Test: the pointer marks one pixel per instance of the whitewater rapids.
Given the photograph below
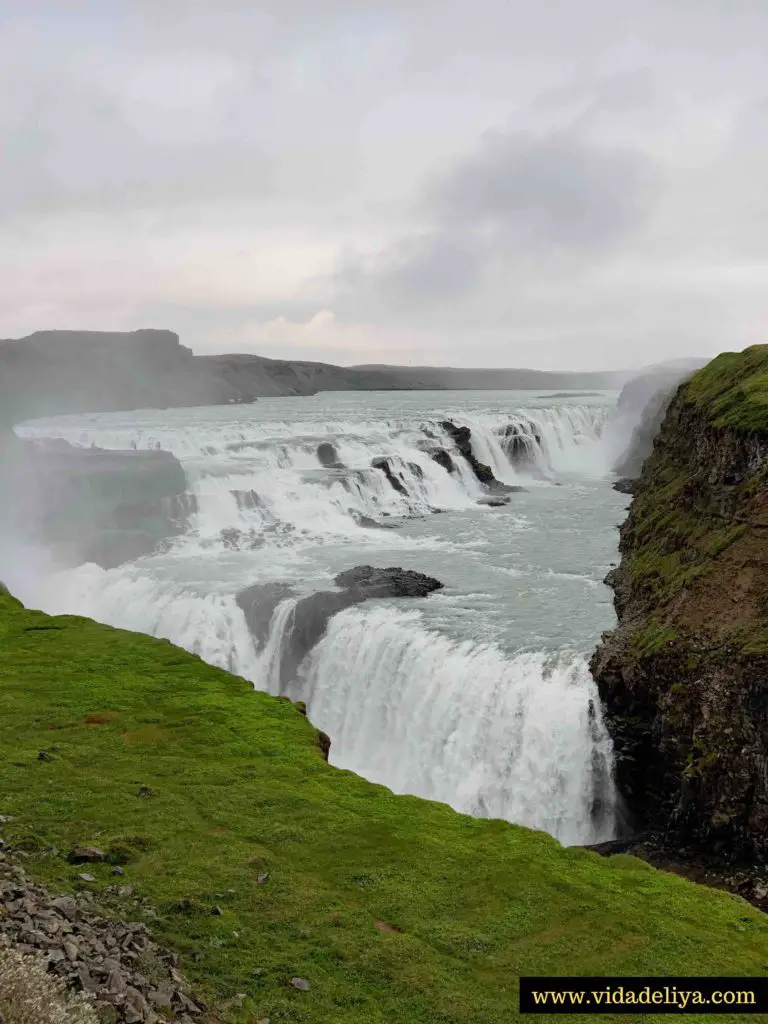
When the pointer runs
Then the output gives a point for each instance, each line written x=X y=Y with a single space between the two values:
x=478 y=697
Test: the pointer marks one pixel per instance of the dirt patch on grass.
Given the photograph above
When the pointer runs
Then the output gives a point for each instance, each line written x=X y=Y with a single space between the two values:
x=102 y=718
x=386 y=927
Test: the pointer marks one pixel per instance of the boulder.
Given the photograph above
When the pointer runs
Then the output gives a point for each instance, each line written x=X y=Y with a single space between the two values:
x=493 y=502
x=624 y=485
x=392 y=582
x=328 y=456
x=86 y=855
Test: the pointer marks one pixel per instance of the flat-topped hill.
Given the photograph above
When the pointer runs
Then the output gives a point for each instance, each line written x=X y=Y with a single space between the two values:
x=55 y=372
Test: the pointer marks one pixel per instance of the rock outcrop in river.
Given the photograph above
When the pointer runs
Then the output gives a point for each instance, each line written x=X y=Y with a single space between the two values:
x=311 y=614
x=685 y=675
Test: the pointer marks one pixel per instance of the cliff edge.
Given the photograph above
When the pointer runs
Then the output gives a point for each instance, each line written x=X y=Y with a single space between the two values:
x=685 y=675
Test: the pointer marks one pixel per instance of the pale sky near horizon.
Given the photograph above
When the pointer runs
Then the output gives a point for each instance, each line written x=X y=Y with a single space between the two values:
x=499 y=183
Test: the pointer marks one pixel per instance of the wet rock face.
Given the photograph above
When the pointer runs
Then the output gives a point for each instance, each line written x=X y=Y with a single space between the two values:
x=521 y=444
x=625 y=486
x=386 y=467
x=90 y=504
x=246 y=499
x=442 y=458
x=462 y=438
x=258 y=604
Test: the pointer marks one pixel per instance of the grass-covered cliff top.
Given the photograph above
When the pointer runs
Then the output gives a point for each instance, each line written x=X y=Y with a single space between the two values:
x=392 y=908
x=694 y=547
x=732 y=390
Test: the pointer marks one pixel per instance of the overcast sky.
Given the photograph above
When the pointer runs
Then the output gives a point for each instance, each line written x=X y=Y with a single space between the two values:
x=565 y=183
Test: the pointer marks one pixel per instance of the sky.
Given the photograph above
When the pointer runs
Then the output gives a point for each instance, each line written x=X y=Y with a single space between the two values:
x=560 y=184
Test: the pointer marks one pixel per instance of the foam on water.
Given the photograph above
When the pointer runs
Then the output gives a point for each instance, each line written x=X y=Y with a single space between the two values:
x=519 y=737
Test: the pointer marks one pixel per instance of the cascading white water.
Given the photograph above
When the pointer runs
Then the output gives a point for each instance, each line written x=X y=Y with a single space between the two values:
x=489 y=731
x=291 y=492
x=502 y=737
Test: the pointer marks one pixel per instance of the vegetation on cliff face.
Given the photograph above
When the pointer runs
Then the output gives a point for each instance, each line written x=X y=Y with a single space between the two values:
x=266 y=864
x=684 y=677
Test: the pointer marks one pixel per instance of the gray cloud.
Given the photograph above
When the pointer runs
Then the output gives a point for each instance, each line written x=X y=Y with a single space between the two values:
x=521 y=205
x=558 y=183
x=548 y=192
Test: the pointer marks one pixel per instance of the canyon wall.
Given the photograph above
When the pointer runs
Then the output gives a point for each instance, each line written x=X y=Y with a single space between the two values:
x=684 y=676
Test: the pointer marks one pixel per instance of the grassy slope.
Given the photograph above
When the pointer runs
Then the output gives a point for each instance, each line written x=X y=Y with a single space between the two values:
x=733 y=389
x=675 y=543
x=239 y=787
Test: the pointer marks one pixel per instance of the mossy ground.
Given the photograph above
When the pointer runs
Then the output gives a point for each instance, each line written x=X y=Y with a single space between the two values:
x=676 y=538
x=394 y=909
x=732 y=390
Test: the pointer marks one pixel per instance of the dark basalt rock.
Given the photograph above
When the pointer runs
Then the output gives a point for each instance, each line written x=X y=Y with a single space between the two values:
x=371 y=524
x=683 y=676
x=462 y=438
x=258 y=604
x=624 y=485
x=246 y=499
x=393 y=582
x=614 y=846
x=328 y=456
x=493 y=502
x=442 y=458
x=385 y=465
x=520 y=444
x=109 y=957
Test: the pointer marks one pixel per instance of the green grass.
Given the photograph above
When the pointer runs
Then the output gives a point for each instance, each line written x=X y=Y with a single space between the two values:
x=733 y=389
x=239 y=789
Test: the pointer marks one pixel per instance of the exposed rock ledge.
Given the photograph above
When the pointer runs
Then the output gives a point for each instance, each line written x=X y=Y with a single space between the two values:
x=685 y=675
x=91 y=504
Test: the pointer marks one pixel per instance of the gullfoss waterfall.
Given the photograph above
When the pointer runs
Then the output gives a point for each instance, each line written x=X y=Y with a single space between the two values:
x=478 y=696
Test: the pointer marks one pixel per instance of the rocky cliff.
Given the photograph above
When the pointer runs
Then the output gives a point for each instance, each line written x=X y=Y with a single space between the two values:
x=90 y=504
x=685 y=675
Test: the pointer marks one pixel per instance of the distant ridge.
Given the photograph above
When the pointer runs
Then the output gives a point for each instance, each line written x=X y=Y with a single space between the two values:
x=56 y=372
